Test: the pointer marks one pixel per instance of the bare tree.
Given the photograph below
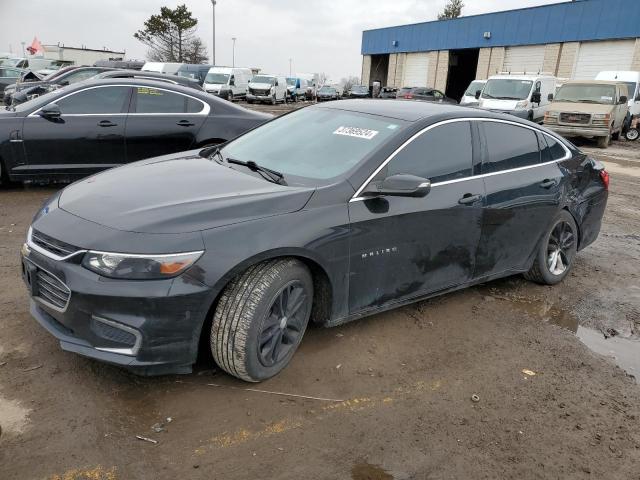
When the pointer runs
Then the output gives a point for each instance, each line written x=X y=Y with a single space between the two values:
x=453 y=9
x=196 y=52
x=349 y=82
x=170 y=36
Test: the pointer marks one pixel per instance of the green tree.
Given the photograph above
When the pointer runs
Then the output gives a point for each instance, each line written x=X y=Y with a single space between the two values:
x=453 y=9
x=170 y=36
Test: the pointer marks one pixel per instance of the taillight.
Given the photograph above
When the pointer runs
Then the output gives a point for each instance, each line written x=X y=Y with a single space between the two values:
x=408 y=96
x=604 y=176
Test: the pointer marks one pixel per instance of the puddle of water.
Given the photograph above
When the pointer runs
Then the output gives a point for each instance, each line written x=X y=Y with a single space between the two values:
x=13 y=417
x=624 y=351
x=366 y=471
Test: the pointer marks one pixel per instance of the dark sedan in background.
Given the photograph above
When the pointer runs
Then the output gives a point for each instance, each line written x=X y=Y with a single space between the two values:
x=327 y=93
x=9 y=76
x=426 y=95
x=99 y=124
x=370 y=206
x=359 y=91
x=60 y=78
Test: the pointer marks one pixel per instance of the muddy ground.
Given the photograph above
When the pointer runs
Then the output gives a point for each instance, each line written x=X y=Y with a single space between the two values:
x=397 y=386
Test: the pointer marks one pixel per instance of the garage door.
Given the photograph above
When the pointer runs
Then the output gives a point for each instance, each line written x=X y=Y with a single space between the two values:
x=416 y=69
x=594 y=57
x=529 y=59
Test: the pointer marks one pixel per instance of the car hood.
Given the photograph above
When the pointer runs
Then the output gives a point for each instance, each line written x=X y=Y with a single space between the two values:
x=580 y=107
x=178 y=194
x=497 y=104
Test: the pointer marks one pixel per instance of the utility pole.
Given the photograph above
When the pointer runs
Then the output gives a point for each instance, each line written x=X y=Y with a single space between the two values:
x=213 y=48
x=23 y=44
x=290 y=67
x=233 y=52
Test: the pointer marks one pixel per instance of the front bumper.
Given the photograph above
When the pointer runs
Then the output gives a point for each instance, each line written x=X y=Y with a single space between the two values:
x=259 y=98
x=578 y=131
x=150 y=327
x=220 y=93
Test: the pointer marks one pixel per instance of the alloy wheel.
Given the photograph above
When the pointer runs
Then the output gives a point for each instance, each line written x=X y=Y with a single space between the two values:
x=284 y=324
x=560 y=244
x=632 y=134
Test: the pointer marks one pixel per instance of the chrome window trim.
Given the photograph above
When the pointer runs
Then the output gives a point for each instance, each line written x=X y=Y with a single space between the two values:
x=122 y=351
x=204 y=112
x=47 y=253
x=356 y=196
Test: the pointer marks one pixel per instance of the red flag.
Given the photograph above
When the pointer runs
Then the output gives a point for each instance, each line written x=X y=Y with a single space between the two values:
x=35 y=46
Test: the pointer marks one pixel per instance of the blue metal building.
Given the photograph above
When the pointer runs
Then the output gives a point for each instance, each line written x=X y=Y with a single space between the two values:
x=570 y=40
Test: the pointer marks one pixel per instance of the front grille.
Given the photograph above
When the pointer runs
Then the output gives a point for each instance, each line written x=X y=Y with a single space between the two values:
x=113 y=334
x=52 y=245
x=259 y=92
x=577 y=118
x=52 y=290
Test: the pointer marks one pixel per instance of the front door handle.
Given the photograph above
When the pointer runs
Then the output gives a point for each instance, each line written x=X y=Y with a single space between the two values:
x=469 y=199
x=185 y=123
x=547 y=183
x=107 y=123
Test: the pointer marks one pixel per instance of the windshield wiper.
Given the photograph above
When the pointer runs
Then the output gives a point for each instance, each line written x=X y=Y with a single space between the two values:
x=486 y=95
x=586 y=100
x=508 y=98
x=268 y=174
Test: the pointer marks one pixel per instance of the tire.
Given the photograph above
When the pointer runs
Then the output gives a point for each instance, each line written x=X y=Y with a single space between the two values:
x=632 y=134
x=556 y=251
x=249 y=319
x=615 y=136
x=250 y=102
x=603 y=142
x=274 y=100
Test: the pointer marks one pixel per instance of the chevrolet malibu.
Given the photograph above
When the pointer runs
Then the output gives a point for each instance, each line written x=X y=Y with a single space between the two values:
x=372 y=206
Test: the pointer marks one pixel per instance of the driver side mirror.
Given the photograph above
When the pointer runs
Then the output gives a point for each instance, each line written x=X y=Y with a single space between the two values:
x=51 y=111
x=478 y=93
x=623 y=99
x=232 y=82
x=276 y=84
x=550 y=97
x=536 y=97
x=401 y=185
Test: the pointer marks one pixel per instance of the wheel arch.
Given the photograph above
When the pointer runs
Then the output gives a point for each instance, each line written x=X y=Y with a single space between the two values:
x=323 y=294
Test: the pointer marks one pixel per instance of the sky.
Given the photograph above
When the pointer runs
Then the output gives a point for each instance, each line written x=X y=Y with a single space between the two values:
x=317 y=35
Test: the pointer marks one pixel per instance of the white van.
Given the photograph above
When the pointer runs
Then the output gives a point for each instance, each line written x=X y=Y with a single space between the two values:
x=632 y=80
x=161 y=67
x=267 y=88
x=525 y=96
x=228 y=82
x=469 y=98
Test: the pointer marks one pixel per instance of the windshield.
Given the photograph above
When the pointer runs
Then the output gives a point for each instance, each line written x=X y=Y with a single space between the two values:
x=473 y=88
x=327 y=90
x=10 y=62
x=217 y=78
x=327 y=143
x=187 y=74
x=359 y=89
x=631 y=89
x=263 y=79
x=507 y=89
x=291 y=81
x=586 y=93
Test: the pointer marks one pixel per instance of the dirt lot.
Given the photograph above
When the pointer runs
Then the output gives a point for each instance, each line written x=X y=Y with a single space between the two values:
x=402 y=383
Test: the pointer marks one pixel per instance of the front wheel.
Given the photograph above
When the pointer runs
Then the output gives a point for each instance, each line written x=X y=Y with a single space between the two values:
x=556 y=252
x=261 y=318
x=603 y=142
x=273 y=99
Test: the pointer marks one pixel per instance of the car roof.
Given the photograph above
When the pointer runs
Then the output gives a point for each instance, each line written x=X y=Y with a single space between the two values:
x=593 y=82
x=144 y=81
x=412 y=111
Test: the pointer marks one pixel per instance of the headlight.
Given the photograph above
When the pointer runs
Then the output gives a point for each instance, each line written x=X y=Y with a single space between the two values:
x=521 y=105
x=551 y=114
x=139 y=267
x=602 y=116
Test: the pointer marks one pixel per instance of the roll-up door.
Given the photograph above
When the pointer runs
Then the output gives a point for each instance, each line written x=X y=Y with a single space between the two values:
x=529 y=59
x=595 y=57
x=416 y=69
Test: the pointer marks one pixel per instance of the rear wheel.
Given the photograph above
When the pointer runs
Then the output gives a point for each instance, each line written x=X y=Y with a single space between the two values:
x=261 y=318
x=555 y=254
x=632 y=134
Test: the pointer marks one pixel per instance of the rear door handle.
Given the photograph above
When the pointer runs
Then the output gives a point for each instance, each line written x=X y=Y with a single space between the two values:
x=107 y=123
x=185 y=123
x=547 y=183
x=469 y=199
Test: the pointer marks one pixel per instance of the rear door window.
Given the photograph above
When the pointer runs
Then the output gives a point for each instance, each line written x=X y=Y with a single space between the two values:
x=440 y=154
x=508 y=146
x=103 y=100
x=551 y=149
x=154 y=100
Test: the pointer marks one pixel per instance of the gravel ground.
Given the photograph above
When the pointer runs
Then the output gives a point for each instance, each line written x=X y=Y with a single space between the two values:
x=397 y=386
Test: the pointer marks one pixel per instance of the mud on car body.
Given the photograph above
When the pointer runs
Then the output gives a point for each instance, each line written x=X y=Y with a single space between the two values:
x=379 y=204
